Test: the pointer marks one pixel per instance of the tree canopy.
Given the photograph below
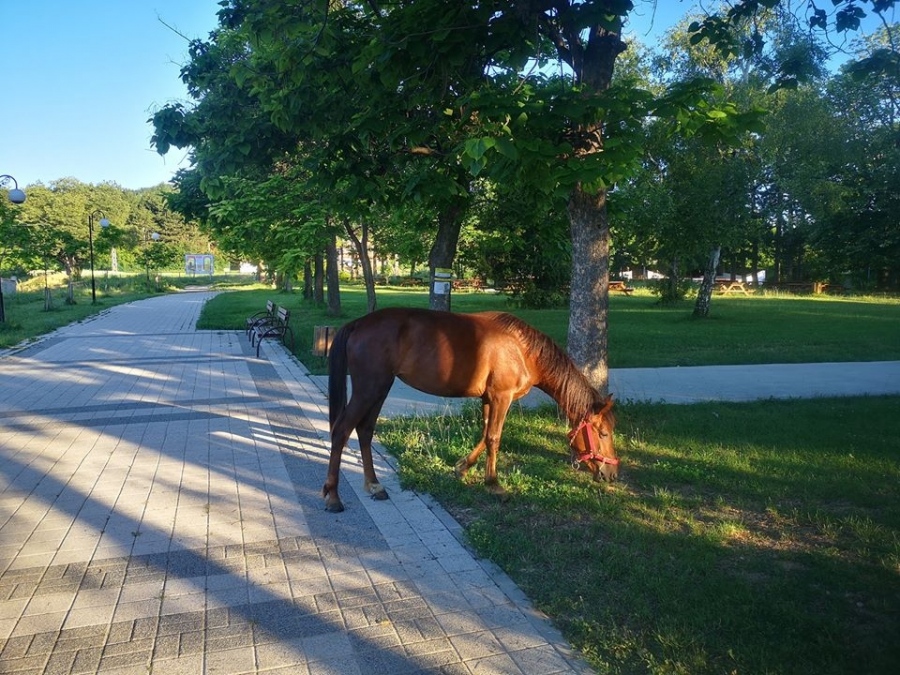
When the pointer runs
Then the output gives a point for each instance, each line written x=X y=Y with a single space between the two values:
x=310 y=119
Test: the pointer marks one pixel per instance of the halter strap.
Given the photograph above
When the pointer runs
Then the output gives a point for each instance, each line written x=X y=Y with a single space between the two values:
x=591 y=453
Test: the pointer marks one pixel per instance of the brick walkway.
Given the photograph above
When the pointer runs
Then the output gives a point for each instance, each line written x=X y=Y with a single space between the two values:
x=160 y=509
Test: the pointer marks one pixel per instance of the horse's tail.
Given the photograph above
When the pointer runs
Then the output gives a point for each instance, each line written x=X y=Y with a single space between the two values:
x=337 y=374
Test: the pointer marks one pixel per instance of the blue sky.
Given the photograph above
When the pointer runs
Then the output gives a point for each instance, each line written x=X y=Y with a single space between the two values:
x=81 y=78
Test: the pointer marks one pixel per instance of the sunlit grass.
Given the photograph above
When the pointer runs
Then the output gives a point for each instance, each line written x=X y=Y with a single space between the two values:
x=759 y=537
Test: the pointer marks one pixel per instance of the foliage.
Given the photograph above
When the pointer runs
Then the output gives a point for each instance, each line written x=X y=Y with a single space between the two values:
x=519 y=241
x=348 y=110
x=51 y=229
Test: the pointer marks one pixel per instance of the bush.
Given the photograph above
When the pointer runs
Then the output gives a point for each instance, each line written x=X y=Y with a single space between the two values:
x=671 y=290
x=529 y=296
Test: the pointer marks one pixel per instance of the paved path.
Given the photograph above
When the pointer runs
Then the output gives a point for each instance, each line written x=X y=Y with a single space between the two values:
x=695 y=385
x=160 y=508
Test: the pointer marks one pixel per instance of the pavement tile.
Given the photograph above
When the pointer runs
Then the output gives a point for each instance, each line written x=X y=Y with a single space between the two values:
x=180 y=526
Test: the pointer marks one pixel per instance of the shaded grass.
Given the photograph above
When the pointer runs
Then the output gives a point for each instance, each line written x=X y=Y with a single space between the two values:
x=743 y=330
x=750 y=538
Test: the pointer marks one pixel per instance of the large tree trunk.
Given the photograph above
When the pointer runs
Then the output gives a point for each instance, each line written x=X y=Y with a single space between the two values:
x=589 y=295
x=333 y=277
x=443 y=251
x=593 y=65
x=704 y=296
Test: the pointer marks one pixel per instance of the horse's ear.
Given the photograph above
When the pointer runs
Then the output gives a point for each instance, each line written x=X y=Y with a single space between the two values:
x=603 y=406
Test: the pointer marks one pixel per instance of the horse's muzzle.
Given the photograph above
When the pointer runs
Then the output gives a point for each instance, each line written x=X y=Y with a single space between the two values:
x=608 y=472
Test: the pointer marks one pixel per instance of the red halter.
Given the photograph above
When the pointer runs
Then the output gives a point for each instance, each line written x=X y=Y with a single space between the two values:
x=591 y=453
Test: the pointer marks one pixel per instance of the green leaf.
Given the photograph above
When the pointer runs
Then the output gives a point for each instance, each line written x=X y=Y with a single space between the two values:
x=507 y=148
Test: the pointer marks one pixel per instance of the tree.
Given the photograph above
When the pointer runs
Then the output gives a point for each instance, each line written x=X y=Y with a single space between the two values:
x=396 y=101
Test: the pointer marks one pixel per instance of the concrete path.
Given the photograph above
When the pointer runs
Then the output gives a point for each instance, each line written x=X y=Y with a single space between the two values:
x=695 y=385
x=160 y=510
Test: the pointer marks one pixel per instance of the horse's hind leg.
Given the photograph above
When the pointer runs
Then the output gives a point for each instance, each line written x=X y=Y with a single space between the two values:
x=365 y=430
x=340 y=434
x=361 y=412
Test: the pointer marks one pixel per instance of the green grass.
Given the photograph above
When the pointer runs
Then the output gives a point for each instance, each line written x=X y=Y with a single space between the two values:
x=741 y=330
x=746 y=538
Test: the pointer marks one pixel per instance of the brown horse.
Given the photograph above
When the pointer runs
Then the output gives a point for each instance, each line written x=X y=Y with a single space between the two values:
x=491 y=355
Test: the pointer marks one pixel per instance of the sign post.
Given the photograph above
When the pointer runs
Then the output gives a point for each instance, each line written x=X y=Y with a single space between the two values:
x=443 y=283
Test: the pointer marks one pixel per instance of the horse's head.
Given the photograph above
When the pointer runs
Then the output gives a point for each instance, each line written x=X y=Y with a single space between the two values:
x=592 y=442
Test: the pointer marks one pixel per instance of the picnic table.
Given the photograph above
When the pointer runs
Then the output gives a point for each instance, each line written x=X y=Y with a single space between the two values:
x=732 y=287
x=808 y=287
x=621 y=287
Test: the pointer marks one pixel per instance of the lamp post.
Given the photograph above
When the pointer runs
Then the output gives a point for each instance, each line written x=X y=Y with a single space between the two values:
x=104 y=222
x=154 y=237
x=16 y=196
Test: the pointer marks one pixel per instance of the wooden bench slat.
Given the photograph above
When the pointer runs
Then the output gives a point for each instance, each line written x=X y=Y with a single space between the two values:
x=261 y=316
x=278 y=326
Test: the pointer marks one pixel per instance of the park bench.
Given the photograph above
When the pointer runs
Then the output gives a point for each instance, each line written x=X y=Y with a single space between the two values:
x=262 y=316
x=278 y=327
x=621 y=287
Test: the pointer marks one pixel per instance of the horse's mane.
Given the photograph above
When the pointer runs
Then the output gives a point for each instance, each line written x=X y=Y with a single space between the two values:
x=561 y=379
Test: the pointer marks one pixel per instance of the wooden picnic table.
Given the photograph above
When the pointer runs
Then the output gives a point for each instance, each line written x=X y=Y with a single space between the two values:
x=621 y=287
x=732 y=287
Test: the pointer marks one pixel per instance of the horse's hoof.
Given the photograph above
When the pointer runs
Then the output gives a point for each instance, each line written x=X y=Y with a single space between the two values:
x=497 y=490
x=378 y=492
x=461 y=468
x=334 y=507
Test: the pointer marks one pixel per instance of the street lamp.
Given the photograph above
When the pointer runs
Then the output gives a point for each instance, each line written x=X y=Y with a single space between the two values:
x=104 y=222
x=154 y=236
x=16 y=196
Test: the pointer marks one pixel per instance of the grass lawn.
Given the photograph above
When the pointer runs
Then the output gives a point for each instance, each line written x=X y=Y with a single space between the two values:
x=786 y=329
x=741 y=538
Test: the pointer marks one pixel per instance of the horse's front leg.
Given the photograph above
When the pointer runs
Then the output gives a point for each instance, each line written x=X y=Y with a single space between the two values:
x=493 y=432
x=467 y=462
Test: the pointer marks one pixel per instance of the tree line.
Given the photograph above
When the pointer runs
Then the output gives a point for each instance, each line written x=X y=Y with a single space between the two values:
x=130 y=230
x=536 y=140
